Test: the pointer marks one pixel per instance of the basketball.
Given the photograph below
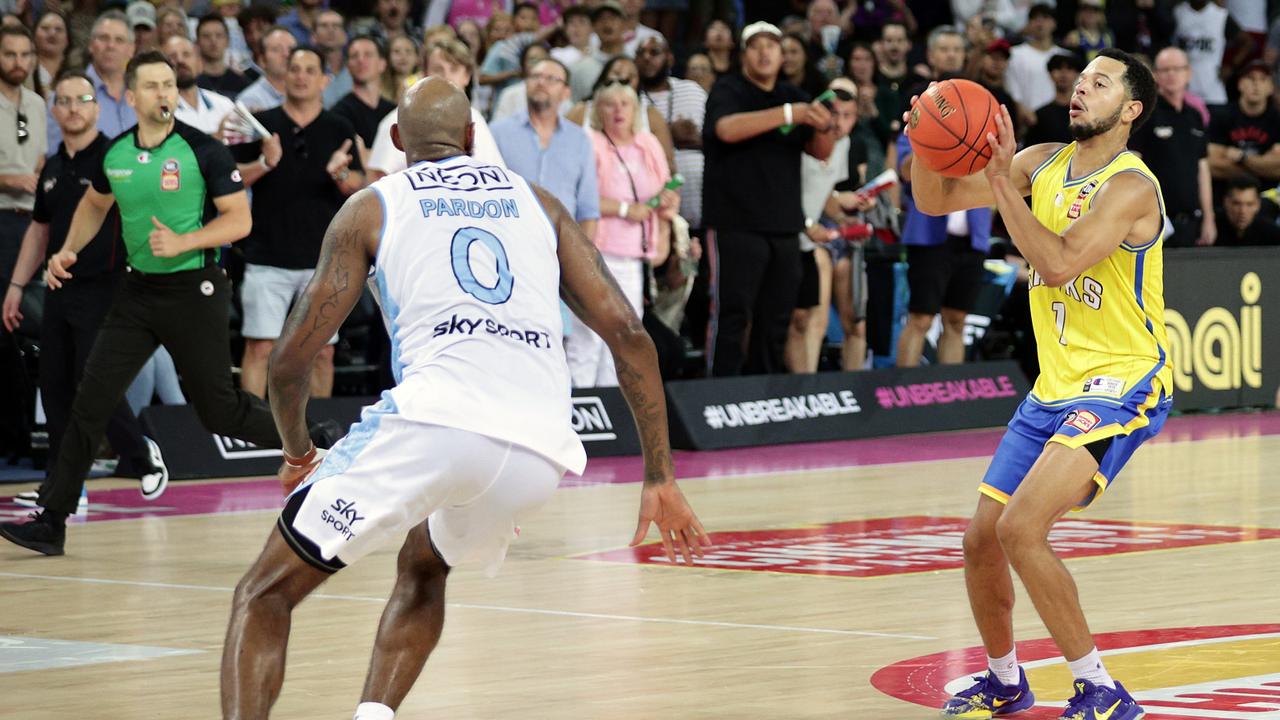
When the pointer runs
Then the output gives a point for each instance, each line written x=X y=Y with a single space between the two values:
x=948 y=127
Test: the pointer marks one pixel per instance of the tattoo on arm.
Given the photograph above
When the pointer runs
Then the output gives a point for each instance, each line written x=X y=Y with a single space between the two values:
x=649 y=407
x=319 y=312
x=594 y=296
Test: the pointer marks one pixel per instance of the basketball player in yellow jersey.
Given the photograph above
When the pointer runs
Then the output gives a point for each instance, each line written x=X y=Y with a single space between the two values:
x=1093 y=238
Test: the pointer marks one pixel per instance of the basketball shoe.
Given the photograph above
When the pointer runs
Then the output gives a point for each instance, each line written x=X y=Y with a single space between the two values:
x=1099 y=702
x=988 y=697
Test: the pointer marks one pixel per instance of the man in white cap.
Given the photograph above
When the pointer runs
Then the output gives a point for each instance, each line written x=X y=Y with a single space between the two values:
x=756 y=127
x=142 y=18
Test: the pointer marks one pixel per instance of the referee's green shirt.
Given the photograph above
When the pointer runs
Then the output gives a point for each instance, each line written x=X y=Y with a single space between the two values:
x=176 y=182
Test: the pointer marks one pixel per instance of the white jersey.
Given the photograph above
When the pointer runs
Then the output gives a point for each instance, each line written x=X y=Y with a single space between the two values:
x=469 y=284
x=1202 y=34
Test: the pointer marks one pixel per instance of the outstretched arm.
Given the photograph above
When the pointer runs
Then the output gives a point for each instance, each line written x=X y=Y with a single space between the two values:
x=1124 y=207
x=350 y=243
x=593 y=295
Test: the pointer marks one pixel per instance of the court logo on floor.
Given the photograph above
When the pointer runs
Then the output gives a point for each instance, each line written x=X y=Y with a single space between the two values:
x=901 y=545
x=1228 y=672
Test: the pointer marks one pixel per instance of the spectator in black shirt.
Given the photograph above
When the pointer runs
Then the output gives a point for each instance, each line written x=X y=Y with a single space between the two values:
x=991 y=74
x=1173 y=144
x=755 y=129
x=945 y=55
x=212 y=40
x=306 y=170
x=1052 y=123
x=1243 y=137
x=895 y=77
x=1240 y=223
x=71 y=317
x=364 y=107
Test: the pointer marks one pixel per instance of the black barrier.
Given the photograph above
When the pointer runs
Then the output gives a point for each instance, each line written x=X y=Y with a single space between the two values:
x=1224 y=354
x=603 y=422
x=190 y=451
x=776 y=409
x=600 y=416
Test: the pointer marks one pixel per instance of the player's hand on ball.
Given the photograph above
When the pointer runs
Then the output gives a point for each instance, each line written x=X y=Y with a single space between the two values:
x=1003 y=145
x=291 y=476
x=665 y=506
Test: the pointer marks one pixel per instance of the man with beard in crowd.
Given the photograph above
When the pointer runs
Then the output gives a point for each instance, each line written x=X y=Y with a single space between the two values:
x=202 y=109
x=683 y=103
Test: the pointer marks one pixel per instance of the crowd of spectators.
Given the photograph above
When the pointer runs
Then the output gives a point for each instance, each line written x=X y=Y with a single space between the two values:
x=686 y=136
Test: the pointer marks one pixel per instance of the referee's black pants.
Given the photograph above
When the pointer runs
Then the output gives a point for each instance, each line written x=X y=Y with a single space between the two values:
x=68 y=328
x=187 y=313
x=755 y=279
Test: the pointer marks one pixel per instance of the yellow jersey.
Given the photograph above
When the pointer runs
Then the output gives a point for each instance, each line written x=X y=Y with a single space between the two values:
x=1100 y=337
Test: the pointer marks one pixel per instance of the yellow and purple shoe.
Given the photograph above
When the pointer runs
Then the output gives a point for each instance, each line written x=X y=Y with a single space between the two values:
x=1099 y=702
x=988 y=697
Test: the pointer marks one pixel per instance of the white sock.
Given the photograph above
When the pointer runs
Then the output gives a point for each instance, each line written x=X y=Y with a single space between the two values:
x=1005 y=668
x=373 y=711
x=1090 y=668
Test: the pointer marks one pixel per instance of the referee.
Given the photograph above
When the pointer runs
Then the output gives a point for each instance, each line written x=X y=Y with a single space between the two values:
x=71 y=318
x=180 y=198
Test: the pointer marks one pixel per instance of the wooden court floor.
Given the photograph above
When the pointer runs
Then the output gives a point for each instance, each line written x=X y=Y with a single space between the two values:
x=852 y=581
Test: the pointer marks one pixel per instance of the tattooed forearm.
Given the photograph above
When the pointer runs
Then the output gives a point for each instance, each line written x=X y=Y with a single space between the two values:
x=638 y=378
x=320 y=311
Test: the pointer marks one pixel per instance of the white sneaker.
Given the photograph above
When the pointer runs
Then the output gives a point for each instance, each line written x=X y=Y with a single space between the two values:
x=26 y=498
x=154 y=481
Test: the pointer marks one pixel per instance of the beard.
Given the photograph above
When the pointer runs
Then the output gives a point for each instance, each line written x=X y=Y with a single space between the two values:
x=539 y=103
x=186 y=80
x=16 y=76
x=1094 y=129
x=658 y=78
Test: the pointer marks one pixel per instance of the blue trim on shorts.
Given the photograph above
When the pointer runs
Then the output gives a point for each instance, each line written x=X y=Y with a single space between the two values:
x=1034 y=425
x=340 y=457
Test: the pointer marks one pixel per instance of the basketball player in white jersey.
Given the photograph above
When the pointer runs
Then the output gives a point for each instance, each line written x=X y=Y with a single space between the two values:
x=470 y=263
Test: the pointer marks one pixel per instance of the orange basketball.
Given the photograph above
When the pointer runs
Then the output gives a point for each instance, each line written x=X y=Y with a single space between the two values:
x=948 y=127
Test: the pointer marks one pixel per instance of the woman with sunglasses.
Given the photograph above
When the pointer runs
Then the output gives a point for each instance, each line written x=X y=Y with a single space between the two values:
x=622 y=70
x=631 y=170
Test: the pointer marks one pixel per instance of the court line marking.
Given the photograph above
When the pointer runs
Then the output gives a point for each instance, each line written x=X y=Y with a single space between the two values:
x=493 y=608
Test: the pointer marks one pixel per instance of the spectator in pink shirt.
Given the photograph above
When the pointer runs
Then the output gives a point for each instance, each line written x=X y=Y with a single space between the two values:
x=631 y=168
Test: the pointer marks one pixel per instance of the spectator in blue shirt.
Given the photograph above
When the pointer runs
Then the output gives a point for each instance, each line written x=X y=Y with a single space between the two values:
x=301 y=21
x=110 y=47
x=944 y=271
x=547 y=150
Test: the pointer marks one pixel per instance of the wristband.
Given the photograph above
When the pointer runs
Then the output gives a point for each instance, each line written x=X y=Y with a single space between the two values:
x=300 y=462
x=342 y=175
x=623 y=209
x=262 y=160
x=787 y=116
x=14 y=284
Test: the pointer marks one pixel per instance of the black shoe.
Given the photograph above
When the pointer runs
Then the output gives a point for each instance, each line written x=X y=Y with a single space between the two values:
x=325 y=433
x=155 y=478
x=45 y=533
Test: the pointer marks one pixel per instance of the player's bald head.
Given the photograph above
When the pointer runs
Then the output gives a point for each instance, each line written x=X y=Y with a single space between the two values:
x=434 y=121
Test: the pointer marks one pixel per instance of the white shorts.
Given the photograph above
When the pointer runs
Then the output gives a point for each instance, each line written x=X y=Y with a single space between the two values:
x=267 y=293
x=389 y=474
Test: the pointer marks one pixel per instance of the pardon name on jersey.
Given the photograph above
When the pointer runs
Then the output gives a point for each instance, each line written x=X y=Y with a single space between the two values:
x=455 y=325
x=1082 y=289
